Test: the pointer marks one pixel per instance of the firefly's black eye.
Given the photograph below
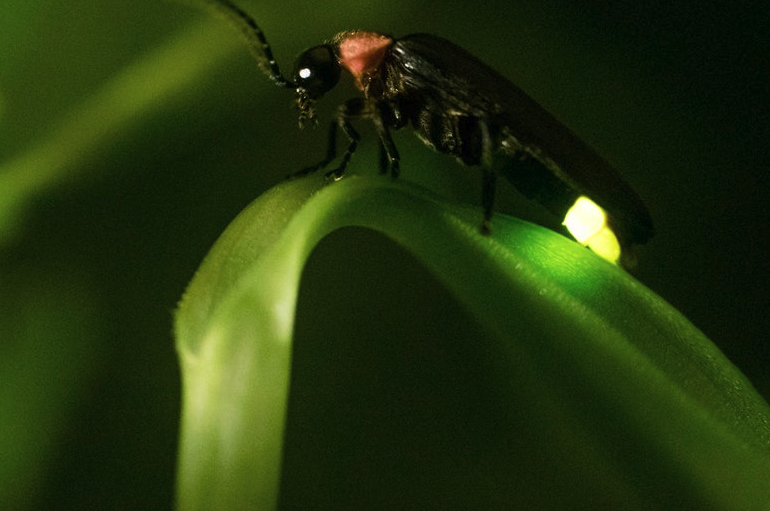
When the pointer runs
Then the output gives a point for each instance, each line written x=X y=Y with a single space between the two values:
x=316 y=70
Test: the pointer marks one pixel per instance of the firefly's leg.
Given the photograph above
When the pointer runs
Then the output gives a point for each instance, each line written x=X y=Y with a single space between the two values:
x=331 y=153
x=351 y=109
x=384 y=159
x=389 y=154
x=489 y=177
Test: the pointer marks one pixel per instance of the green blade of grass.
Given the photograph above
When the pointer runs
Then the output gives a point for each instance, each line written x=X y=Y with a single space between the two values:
x=612 y=367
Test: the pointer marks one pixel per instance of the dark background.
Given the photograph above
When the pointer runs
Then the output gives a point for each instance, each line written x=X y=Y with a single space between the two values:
x=675 y=95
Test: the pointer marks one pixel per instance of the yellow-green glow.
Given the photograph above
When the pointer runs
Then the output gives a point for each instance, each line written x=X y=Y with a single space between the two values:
x=587 y=222
x=584 y=219
x=605 y=244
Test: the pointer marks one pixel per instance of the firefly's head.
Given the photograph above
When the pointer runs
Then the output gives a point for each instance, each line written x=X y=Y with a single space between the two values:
x=316 y=71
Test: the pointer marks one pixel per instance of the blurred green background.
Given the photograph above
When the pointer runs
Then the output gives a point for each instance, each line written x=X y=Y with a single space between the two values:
x=95 y=253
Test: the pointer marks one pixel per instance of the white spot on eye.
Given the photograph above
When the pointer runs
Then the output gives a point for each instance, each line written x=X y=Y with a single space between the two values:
x=305 y=73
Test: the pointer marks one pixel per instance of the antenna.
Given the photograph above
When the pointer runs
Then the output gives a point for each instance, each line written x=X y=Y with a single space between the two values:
x=252 y=35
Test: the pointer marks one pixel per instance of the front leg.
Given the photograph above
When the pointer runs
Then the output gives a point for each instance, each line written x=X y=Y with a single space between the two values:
x=331 y=153
x=382 y=114
x=349 y=110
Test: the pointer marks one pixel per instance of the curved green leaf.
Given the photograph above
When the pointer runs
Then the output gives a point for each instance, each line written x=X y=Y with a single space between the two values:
x=612 y=371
